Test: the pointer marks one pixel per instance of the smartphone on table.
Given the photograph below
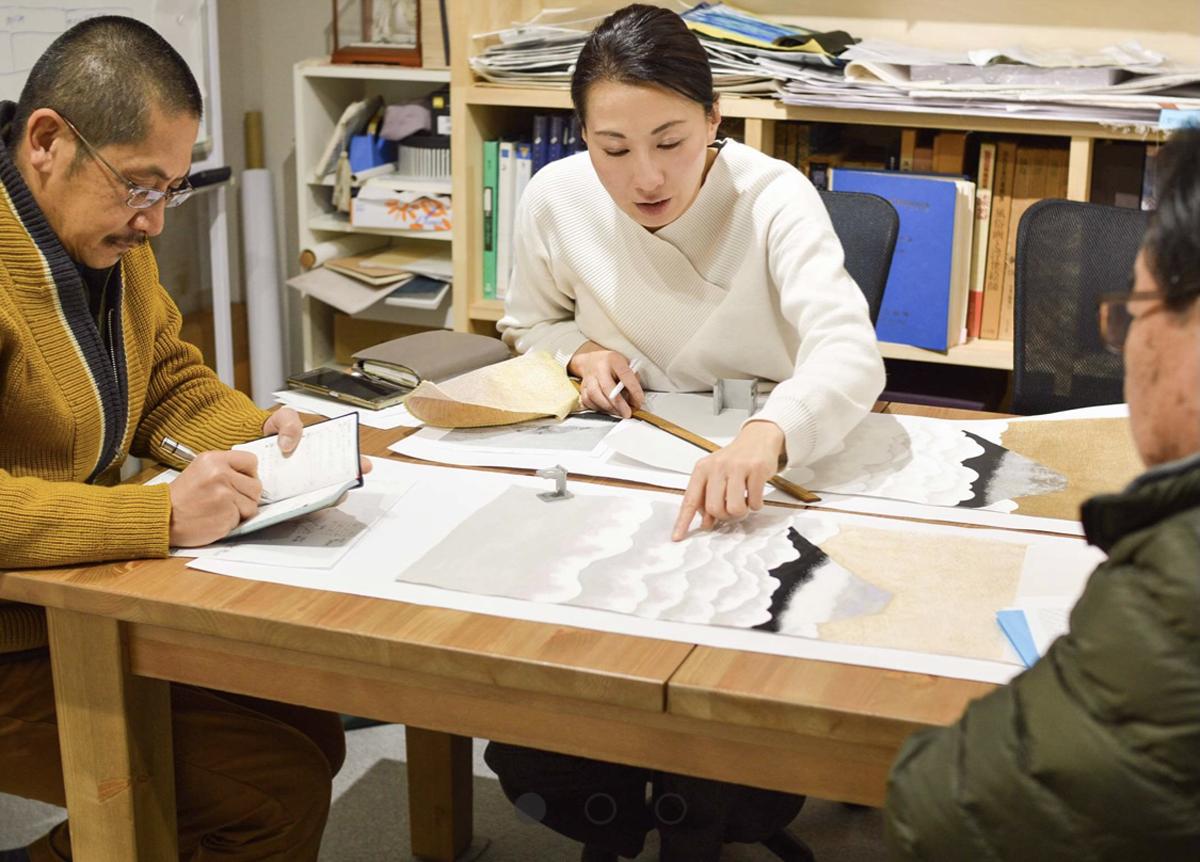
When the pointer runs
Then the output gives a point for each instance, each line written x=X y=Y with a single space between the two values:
x=349 y=387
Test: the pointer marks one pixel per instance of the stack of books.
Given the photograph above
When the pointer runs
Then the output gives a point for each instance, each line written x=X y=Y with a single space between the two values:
x=508 y=166
x=415 y=281
x=953 y=275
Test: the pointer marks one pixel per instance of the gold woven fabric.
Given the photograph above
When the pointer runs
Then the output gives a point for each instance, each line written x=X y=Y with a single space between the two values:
x=532 y=386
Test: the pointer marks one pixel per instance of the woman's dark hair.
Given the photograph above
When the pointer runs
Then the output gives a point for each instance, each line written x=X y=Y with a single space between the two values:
x=643 y=45
x=1172 y=241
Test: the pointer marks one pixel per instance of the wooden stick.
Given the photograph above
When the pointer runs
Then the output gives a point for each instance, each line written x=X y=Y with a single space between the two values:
x=790 y=488
x=798 y=492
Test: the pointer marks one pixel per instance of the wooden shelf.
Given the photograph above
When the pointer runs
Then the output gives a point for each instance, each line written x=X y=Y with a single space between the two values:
x=426 y=185
x=977 y=353
x=484 y=110
x=322 y=68
x=341 y=224
x=553 y=98
x=760 y=108
x=321 y=91
x=487 y=309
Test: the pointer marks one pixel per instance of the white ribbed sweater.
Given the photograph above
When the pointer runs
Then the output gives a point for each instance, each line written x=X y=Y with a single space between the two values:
x=748 y=282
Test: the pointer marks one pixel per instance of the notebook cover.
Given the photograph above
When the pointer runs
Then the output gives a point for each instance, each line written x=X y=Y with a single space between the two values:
x=916 y=299
x=436 y=355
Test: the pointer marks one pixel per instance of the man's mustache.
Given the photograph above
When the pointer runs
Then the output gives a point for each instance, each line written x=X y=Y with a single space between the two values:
x=130 y=239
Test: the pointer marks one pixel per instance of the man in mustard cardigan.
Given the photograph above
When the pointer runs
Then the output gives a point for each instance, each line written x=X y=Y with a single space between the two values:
x=92 y=370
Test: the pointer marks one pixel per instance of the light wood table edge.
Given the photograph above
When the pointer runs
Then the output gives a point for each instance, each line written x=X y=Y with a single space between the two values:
x=838 y=701
x=657 y=740
x=642 y=689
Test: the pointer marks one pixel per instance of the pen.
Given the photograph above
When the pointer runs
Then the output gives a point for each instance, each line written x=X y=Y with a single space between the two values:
x=171 y=446
x=616 y=390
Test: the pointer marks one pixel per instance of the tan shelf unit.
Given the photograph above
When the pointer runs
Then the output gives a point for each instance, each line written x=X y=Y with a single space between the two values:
x=484 y=110
x=321 y=91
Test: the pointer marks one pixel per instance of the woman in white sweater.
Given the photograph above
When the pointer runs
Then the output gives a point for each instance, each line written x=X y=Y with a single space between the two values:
x=704 y=260
x=701 y=258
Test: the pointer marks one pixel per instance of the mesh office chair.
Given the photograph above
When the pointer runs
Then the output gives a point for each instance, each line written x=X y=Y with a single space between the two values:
x=867 y=226
x=1068 y=254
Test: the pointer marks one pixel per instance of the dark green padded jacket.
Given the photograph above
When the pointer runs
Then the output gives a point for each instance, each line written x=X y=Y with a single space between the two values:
x=1094 y=752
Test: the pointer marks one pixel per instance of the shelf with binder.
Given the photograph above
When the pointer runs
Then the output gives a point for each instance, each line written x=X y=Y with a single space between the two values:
x=485 y=110
x=321 y=92
x=433 y=185
x=337 y=223
x=976 y=353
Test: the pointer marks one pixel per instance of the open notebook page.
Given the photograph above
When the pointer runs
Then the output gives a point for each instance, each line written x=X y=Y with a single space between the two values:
x=326 y=455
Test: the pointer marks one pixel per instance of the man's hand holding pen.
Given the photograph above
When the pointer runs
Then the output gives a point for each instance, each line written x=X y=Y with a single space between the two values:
x=218 y=490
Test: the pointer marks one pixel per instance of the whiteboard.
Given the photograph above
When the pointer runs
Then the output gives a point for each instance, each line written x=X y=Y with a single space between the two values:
x=27 y=30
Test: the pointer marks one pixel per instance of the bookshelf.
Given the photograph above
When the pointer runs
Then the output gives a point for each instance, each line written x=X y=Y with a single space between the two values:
x=321 y=91
x=484 y=110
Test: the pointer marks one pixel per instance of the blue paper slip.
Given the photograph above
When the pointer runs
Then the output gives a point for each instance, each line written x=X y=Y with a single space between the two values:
x=1170 y=119
x=1016 y=629
x=735 y=21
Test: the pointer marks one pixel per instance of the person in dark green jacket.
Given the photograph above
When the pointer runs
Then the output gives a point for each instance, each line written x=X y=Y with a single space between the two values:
x=1094 y=752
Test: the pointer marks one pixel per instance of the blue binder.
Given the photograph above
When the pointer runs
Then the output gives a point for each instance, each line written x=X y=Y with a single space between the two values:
x=916 y=300
x=554 y=146
x=541 y=141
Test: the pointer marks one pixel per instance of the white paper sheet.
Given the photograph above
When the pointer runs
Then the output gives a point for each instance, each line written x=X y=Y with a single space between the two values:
x=1048 y=619
x=444 y=497
x=317 y=540
x=857 y=479
x=326 y=455
x=346 y=294
x=386 y=419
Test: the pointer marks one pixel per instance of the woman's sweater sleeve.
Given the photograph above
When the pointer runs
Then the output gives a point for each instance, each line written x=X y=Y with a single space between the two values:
x=539 y=312
x=838 y=370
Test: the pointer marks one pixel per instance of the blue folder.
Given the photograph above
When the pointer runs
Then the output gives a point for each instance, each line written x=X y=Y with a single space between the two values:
x=916 y=299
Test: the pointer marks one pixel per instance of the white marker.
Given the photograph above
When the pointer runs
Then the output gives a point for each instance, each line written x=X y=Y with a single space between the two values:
x=616 y=390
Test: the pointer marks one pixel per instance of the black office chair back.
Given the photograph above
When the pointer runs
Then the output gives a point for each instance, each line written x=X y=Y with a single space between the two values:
x=867 y=226
x=1068 y=254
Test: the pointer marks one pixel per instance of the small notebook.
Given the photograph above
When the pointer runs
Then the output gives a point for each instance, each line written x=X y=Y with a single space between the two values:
x=322 y=467
x=419 y=292
x=432 y=356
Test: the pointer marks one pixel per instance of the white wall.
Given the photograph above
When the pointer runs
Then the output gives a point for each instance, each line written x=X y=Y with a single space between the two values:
x=261 y=40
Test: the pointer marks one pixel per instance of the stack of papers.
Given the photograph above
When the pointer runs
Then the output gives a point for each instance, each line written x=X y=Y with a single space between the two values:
x=307 y=541
x=532 y=54
x=749 y=54
x=354 y=283
x=1121 y=84
x=542 y=52
x=365 y=268
x=386 y=419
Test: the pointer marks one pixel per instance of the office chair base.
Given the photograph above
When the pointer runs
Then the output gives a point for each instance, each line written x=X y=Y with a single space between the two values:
x=789 y=848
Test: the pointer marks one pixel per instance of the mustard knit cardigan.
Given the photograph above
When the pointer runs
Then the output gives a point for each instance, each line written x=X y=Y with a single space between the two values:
x=72 y=410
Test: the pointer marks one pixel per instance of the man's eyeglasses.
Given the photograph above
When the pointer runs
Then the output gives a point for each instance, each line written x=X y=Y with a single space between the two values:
x=140 y=197
x=1115 y=318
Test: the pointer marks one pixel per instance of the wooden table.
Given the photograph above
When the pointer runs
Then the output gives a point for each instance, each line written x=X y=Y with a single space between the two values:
x=119 y=632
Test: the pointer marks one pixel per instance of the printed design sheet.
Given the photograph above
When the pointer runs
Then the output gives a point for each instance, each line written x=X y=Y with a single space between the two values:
x=1029 y=473
x=818 y=584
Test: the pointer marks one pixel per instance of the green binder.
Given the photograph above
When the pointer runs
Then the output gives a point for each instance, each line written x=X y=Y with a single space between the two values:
x=491 y=209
